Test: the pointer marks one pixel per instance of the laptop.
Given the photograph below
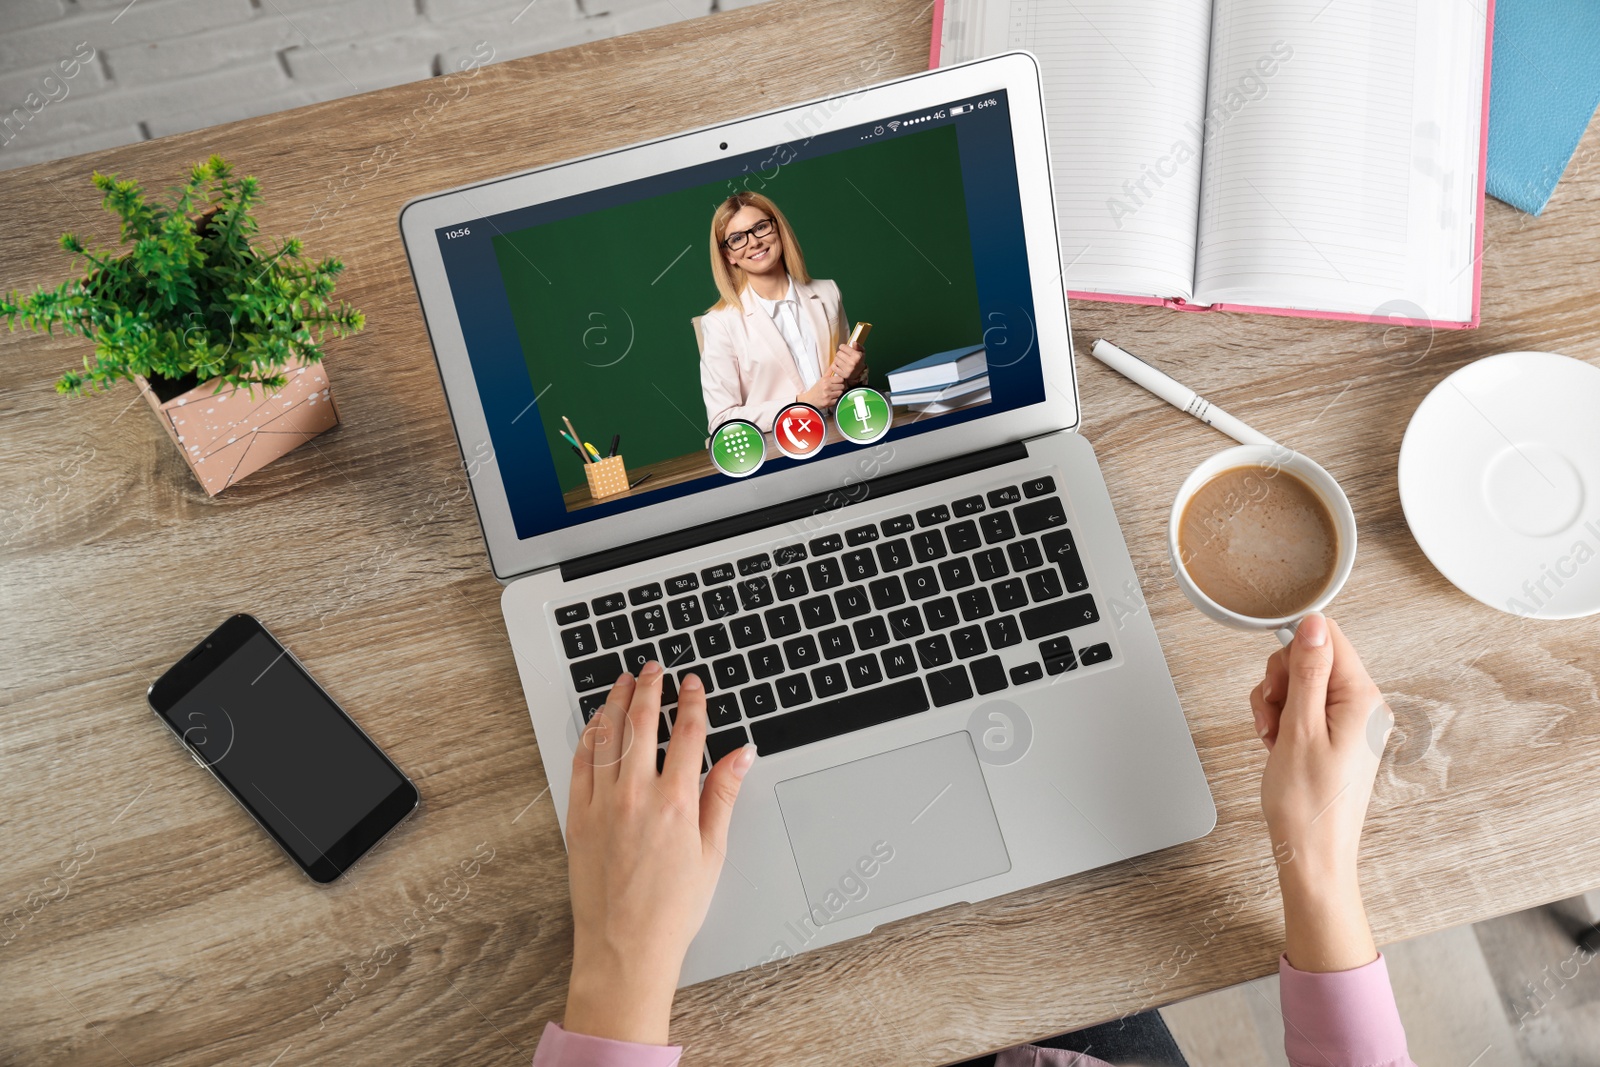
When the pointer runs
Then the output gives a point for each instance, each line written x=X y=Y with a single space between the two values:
x=912 y=595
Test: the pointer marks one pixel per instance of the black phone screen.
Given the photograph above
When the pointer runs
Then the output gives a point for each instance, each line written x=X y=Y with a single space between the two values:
x=291 y=756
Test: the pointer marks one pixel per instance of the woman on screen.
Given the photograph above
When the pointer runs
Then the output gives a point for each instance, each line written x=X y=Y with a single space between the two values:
x=776 y=334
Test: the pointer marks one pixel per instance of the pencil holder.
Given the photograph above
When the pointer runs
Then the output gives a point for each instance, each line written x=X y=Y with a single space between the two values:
x=607 y=477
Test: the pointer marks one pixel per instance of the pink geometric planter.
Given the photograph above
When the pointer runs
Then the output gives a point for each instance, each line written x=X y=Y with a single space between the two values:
x=227 y=435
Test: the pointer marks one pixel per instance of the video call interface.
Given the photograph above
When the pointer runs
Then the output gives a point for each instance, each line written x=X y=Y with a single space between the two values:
x=743 y=317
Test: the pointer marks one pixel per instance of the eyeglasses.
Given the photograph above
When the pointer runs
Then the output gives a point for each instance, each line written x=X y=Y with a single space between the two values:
x=736 y=240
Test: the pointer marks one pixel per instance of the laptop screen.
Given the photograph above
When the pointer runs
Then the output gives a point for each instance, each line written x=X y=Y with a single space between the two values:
x=662 y=337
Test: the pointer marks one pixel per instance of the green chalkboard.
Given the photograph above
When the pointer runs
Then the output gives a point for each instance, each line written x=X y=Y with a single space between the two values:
x=603 y=302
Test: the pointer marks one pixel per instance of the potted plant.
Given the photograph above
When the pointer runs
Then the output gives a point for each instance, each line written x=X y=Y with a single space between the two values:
x=223 y=338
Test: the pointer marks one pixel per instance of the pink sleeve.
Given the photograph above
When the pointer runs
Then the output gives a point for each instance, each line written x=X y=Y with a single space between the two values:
x=1342 y=1018
x=557 y=1048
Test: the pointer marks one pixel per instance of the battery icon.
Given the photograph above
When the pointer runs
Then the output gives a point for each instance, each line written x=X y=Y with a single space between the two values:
x=961 y=109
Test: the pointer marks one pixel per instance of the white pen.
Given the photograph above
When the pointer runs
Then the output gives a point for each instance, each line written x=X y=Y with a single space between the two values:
x=1175 y=393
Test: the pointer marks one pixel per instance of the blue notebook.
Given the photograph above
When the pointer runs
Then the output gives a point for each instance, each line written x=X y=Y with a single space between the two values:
x=941 y=368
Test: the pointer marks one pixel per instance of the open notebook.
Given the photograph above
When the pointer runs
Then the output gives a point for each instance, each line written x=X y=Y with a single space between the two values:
x=1322 y=158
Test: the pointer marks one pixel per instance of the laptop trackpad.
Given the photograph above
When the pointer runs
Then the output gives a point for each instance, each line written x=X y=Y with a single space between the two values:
x=892 y=827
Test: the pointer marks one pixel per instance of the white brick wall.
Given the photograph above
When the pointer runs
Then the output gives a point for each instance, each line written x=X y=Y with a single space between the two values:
x=82 y=75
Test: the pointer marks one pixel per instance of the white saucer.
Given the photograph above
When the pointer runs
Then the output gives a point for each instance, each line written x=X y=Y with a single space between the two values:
x=1500 y=482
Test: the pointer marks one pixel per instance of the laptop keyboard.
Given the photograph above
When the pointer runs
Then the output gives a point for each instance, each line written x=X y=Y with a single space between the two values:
x=819 y=638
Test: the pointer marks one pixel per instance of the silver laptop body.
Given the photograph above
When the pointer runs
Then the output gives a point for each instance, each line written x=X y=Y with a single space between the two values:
x=1017 y=724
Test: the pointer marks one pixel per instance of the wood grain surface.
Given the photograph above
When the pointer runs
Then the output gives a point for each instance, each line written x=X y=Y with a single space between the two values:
x=152 y=922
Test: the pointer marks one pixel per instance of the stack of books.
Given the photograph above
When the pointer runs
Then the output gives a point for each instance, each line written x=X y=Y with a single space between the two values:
x=942 y=382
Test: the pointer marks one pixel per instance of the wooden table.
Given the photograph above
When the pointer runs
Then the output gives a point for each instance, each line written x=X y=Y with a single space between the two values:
x=184 y=937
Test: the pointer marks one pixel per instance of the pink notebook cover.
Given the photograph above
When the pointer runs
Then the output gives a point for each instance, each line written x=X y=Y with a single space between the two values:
x=1184 y=305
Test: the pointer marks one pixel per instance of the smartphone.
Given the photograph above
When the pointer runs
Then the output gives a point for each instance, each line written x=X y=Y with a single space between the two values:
x=249 y=713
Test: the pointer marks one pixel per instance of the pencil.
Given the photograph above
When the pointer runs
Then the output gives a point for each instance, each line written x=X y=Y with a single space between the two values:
x=575 y=439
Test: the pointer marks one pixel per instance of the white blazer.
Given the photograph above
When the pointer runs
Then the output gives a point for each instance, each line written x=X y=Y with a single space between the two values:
x=746 y=368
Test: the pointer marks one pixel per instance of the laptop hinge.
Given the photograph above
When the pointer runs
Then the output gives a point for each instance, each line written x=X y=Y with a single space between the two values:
x=788 y=511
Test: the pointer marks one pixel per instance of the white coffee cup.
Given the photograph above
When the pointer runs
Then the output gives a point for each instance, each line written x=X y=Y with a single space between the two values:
x=1274 y=457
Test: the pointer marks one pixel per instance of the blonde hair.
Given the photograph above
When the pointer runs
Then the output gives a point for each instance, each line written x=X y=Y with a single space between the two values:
x=731 y=280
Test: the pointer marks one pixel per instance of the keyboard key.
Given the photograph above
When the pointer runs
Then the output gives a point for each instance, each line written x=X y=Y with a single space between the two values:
x=956 y=573
x=730 y=672
x=928 y=546
x=887 y=593
x=870 y=633
x=790 y=583
x=1027 y=672
x=841 y=715
x=662 y=733
x=793 y=690
x=991 y=564
x=669 y=690
x=579 y=641
x=974 y=604
x=684 y=613
x=755 y=593
x=900 y=524
x=1003 y=632
x=722 y=742
x=963 y=536
x=1043 y=514
x=949 y=686
x=859 y=565
x=853 y=602
x=934 y=651
x=905 y=623
x=933 y=516
x=1060 y=615
x=590 y=704
x=1024 y=555
x=828 y=681
x=701 y=669
x=661 y=760
x=818 y=611
x=766 y=661
x=747 y=631
x=758 y=700
x=593 y=673
x=836 y=642
x=683 y=583
x=968 y=642
x=967 y=505
x=999 y=498
x=1060 y=664
x=1095 y=654
x=861 y=535
x=1038 y=487
x=604 y=605
x=636 y=657
x=863 y=671
x=722 y=572
x=825 y=574
x=997 y=527
x=651 y=621
x=645 y=594
x=571 y=613
x=940 y=613
x=921 y=583
x=755 y=564
x=712 y=640
x=1060 y=550
x=899 y=660
x=894 y=555
x=821 y=546
x=988 y=676
x=1043 y=585
x=676 y=650
x=801 y=652
x=1009 y=595
x=614 y=631
x=788 y=554
x=720 y=603
x=723 y=709
x=781 y=622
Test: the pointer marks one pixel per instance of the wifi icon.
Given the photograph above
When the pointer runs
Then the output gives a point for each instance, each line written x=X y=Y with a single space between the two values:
x=893 y=126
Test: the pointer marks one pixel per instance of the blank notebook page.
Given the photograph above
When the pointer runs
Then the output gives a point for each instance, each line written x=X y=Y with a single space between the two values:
x=1346 y=180
x=1124 y=86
